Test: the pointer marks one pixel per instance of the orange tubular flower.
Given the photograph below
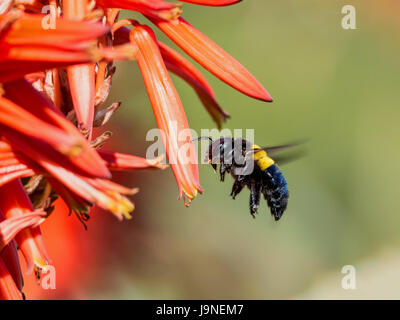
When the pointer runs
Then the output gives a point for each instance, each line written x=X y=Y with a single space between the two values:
x=26 y=47
x=188 y=72
x=168 y=110
x=212 y=3
x=154 y=8
x=81 y=77
x=14 y=202
x=90 y=188
x=55 y=75
x=212 y=57
x=10 y=256
x=8 y=288
x=120 y=161
x=82 y=85
x=85 y=167
x=10 y=227
x=80 y=155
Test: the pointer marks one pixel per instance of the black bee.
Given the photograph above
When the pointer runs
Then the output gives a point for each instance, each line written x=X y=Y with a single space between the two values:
x=250 y=166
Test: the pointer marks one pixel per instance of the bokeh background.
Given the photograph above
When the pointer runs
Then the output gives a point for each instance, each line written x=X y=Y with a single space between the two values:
x=340 y=89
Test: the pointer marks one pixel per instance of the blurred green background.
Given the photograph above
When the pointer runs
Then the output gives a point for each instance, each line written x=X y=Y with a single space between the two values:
x=340 y=89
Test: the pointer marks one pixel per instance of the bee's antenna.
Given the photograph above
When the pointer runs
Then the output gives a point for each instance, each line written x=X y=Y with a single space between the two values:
x=203 y=138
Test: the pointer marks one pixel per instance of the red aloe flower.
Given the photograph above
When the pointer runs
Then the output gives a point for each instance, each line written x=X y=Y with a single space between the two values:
x=90 y=188
x=15 y=203
x=80 y=154
x=9 y=228
x=168 y=110
x=187 y=71
x=121 y=161
x=8 y=288
x=180 y=66
x=53 y=83
x=26 y=47
x=153 y=8
x=10 y=257
x=81 y=77
x=212 y=57
x=212 y=3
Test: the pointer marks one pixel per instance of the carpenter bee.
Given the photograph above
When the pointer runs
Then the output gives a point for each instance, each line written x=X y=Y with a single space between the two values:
x=250 y=166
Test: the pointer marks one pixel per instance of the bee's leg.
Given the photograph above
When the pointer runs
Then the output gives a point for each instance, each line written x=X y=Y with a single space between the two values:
x=214 y=166
x=267 y=195
x=222 y=170
x=255 y=195
x=237 y=187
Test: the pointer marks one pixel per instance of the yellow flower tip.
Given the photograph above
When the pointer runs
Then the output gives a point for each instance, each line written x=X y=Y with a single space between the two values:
x=188 y=197
x=134 y=191
x=74 y=151
x=122 y=206
x=126 y=208
x=127 y=216
x=188 y=202
x=41 y=264
x=172 y=14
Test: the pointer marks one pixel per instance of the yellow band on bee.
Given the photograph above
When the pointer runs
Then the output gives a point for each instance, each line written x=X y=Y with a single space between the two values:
x=262 y=159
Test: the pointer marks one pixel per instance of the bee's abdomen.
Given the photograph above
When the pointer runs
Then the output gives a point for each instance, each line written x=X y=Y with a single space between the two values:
x=275 y=190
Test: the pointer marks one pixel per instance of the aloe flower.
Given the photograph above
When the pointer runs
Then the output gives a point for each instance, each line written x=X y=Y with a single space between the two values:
x=54 y=81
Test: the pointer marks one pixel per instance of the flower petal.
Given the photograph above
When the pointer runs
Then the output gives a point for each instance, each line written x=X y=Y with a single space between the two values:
x=8 y=288
x=11 y=259
x=10 y=227
x=16 y=118
x=81 y=79
x=212 y=3
x=188 y=72
x=121 y=161
x=14 y=202
x=28 y=30
x=212 y=57
x=168 y=110
x=97 y=191
x=153 y=8
x=74 y=9
x=103 y=116
x=25 y=48
x=86 y=158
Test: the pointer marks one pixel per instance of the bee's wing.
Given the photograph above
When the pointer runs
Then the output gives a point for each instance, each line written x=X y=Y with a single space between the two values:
x=286 y=157
x=282 y=159
x=272 y=150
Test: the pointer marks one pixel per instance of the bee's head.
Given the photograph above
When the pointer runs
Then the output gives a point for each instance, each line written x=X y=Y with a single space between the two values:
x=226 y=150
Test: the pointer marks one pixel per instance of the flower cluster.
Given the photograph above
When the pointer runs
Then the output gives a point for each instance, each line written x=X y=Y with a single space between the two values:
x=56 y=67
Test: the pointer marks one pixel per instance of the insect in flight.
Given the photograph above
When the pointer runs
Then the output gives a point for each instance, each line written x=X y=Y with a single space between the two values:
x=251 y=166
